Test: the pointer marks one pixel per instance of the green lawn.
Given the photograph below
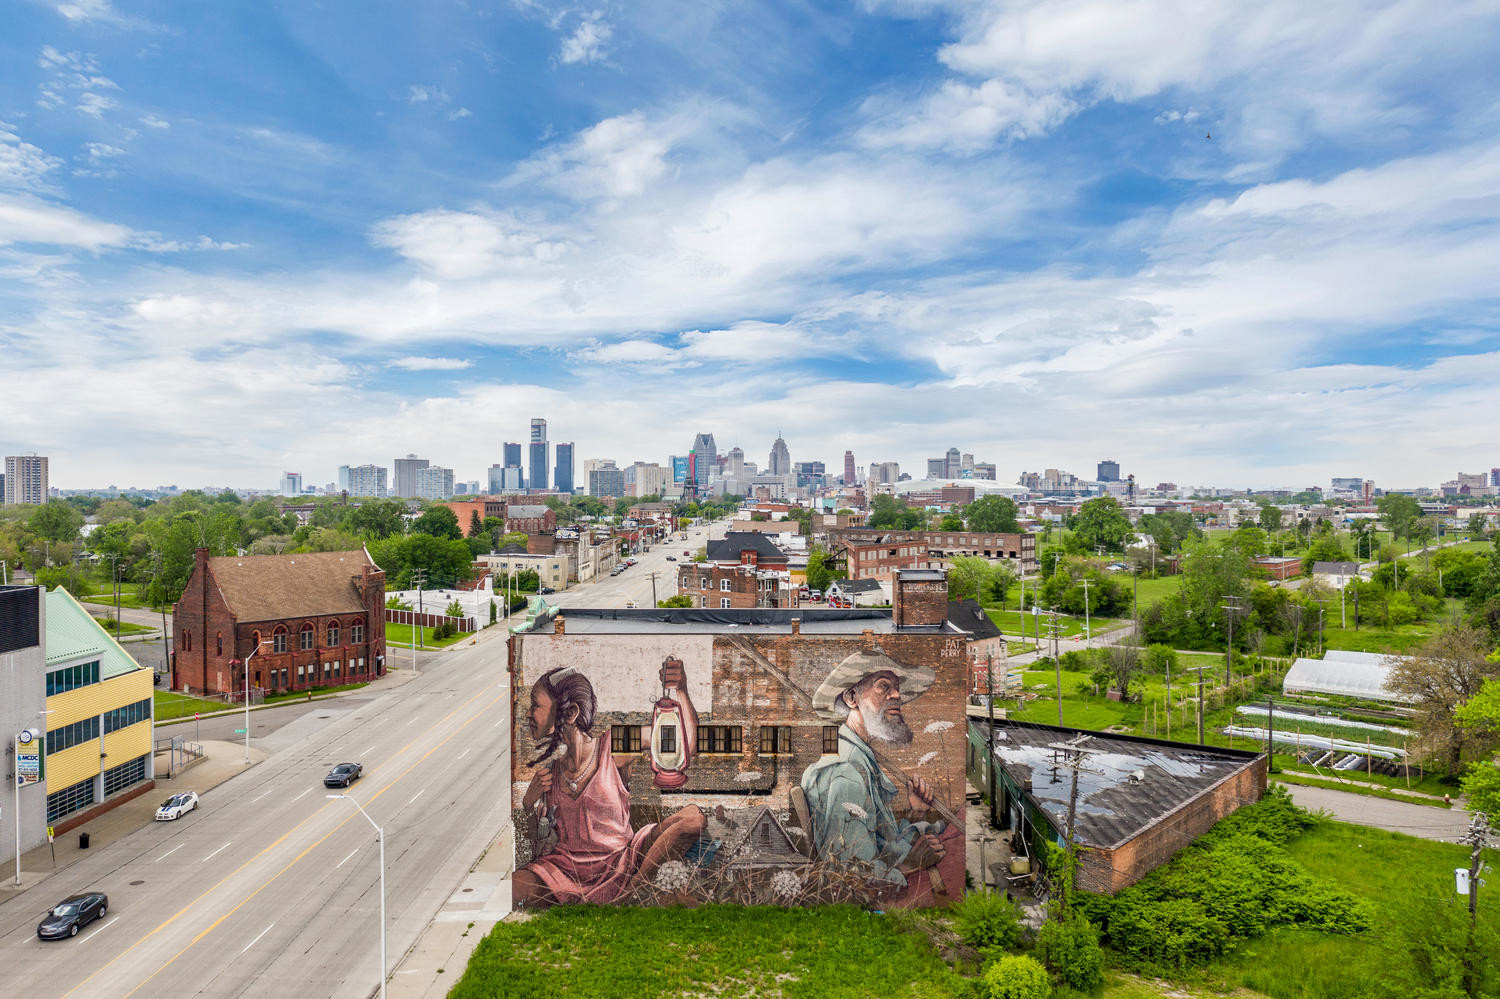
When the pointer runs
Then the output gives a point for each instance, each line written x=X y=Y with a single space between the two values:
x=398 y=636
x=586 y=952
x=170 y=705
x=126 y=628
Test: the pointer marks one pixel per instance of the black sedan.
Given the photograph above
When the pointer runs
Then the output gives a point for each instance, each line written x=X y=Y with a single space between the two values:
x=72 y=914
x=343 y=775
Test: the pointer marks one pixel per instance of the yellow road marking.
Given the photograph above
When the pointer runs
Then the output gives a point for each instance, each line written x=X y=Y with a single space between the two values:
x=206 y=892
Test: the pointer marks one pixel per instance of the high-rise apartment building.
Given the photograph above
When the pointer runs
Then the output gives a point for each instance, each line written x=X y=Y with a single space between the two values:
x=538 y=449
x=365 y=480
x=702 y=461
x=343 y=483
x=513 y=460
x=849 y=473
x=884 y=473
x=291 y=483
x=781 y=458
x=1108 y=471
x=404 y=481
x=953 y=464
x=562 y=478
x=646 y=479
x=26 y=479
x=607 y=482
x=434 y=482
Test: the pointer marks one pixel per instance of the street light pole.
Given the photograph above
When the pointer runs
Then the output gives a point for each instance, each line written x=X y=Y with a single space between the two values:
x=263 y=644
x=380 y=836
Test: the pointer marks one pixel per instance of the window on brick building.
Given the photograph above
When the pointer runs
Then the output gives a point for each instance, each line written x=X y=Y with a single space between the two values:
x=357 y=632
x=187 y=641
x=724 y=585
x=703 y=583
x=720 y=739
x=306 y=638
x=724 y=603
x=219 y=639
x=775 y=738
x=333 y=634
x=278 y=639
x=625 y=739
x=830 y=740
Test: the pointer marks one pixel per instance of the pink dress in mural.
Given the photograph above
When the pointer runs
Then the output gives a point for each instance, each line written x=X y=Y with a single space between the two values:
x=597 y=852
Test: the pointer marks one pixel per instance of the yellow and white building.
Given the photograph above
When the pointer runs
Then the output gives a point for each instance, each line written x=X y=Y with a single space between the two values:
x=99 y=716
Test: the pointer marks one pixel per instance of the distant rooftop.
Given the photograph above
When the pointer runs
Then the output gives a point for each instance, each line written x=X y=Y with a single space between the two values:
x=702 y=620
x=73 y=634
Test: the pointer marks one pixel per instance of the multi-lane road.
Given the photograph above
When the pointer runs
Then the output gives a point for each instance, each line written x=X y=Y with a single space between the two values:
x=272 y=889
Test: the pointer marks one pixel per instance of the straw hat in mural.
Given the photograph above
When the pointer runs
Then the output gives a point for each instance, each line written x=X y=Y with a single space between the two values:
x=915 y=679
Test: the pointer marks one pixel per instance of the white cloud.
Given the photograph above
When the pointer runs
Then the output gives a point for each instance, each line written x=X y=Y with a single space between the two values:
x=88 y=10
x=23 y=166
x=28 y=220
x=458 y=113
x=429 y=364
x=421 y=94
x=78 y=73
x=627 y=352
x=459 y=245
x=587 y=42
x=966 y=117
x=152 y=121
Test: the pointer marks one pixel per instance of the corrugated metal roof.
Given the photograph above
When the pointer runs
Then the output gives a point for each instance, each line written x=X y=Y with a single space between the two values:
x=1349 y=674
x=73 y=634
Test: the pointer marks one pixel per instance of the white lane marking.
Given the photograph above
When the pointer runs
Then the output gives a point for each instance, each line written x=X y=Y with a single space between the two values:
x=260 y=796
x=211 y=856
x=252 y=943
x=368 y=751
x=164 y=856
x=502 y=721
x=463 y=754
x=335 y=749
x=302 y=795
x=341 y=863
x=412 y=722
x=417 y=795
x=105 y=927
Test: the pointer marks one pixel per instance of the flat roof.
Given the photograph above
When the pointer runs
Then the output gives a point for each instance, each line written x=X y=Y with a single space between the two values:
x=1113 y=806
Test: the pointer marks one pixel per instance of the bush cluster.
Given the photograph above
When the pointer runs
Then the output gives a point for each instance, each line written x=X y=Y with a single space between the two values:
x=1070 y=949
x=1235 y=883
x=988 y=919
x=1015 y=977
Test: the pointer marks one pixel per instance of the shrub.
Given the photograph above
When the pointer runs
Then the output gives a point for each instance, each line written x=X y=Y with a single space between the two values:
x=1016 y=977
x=1165 y=932
x=988 y=919
x=1070 y=948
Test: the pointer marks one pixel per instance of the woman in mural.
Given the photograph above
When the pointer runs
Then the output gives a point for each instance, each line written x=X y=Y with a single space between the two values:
x=598 y=857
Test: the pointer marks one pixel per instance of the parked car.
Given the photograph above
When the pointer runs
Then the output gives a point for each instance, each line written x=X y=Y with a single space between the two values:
x=671 y=558
x=630 y=603
x=544 y=590
x=815 y=595
x=343 y=775
x=177 y=806
x=687 y=554
x=632 y=560
x=72 y=914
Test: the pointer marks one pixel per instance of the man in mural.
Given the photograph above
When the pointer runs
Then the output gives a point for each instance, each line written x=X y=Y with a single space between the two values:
x=583 y=797
x=849 y=797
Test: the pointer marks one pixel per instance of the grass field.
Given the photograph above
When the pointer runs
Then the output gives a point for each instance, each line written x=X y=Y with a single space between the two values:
x=398 y=636
x=126 y=628
x=601 y=953
x=170 y=705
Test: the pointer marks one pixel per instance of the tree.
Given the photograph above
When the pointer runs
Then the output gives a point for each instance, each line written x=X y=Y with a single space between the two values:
x=951 y=522
x=379 y=518
x=1480 y=714
x=454 y=609
x=56 y=521
x=1064 y=590
x=445 y=561
x=1249 y=539
x=1477 y=526
x=439 y=522
x=1170 y=530
x=1124 y=663
x=1364 y=539
x=993 y=514
x=997 y=586
x=1447 y=671
x=1270 y=518
x=967 y=576
x=1328 y=549
x=476 y=526
x=1398 y=512
x=1102 y=522
x=820 y=571
x=679 y=600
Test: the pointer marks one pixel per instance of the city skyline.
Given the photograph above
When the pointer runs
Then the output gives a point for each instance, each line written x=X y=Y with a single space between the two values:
x=1240 y=262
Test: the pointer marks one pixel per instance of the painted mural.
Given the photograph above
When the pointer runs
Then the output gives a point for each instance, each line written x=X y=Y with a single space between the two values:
x=655 y=769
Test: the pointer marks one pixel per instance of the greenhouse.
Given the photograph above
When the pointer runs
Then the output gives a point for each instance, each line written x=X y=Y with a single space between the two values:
x=1346 y=674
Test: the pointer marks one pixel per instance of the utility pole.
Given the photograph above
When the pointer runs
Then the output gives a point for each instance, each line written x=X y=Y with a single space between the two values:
x=653 y=574
x=1075 y=749
x=1271 y=734
x=1478 y=838
x=1087 y=631
x=419 y=577
x=1199 y=670
x=1056 y=662
x=1232 y=606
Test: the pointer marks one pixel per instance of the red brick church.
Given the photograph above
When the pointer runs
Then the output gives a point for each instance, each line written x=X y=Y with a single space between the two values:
x=317 y=618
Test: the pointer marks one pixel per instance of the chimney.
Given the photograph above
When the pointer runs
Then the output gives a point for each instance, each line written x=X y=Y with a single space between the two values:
x=919 y=598
x=796 y=626
x=559 y=625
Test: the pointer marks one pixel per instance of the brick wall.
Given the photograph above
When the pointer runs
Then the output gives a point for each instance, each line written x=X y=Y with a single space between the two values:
x=199 y=619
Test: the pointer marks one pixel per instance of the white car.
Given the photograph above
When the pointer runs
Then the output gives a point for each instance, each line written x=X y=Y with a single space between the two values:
x=177 y=806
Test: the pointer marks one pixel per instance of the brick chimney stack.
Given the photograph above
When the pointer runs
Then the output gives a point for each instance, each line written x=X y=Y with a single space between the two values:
x=920 y=598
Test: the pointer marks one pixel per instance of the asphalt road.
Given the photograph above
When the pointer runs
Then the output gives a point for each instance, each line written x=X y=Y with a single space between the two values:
x=272 y=889
x=635 y=582
x=1424 y=821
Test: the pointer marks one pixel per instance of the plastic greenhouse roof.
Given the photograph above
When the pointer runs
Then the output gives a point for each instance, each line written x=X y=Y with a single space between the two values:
x=1348 y=674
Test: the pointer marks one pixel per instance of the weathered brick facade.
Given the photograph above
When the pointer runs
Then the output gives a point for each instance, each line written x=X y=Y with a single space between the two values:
x=921 y=549
x=758 y=734
x=737 y=587
x=232 y=604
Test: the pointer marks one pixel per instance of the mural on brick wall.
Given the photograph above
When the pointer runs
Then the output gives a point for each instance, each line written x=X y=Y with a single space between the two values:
x=657 y=769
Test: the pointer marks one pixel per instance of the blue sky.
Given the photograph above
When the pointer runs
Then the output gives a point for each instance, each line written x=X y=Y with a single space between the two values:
x=1218 y=243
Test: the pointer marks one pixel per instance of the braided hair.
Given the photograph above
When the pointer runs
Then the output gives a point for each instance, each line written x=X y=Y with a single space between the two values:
x=566 y=687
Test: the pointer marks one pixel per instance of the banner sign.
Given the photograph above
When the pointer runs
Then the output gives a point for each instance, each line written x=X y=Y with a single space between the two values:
x=28 y=768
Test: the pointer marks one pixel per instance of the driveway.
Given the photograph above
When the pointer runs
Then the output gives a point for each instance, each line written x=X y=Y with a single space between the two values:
x=1423 y=821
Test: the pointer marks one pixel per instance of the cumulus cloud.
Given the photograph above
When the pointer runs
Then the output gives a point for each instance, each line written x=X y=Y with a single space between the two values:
x=420 y=94
x=78 y=74
x=22 y=165
x=587 y=42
